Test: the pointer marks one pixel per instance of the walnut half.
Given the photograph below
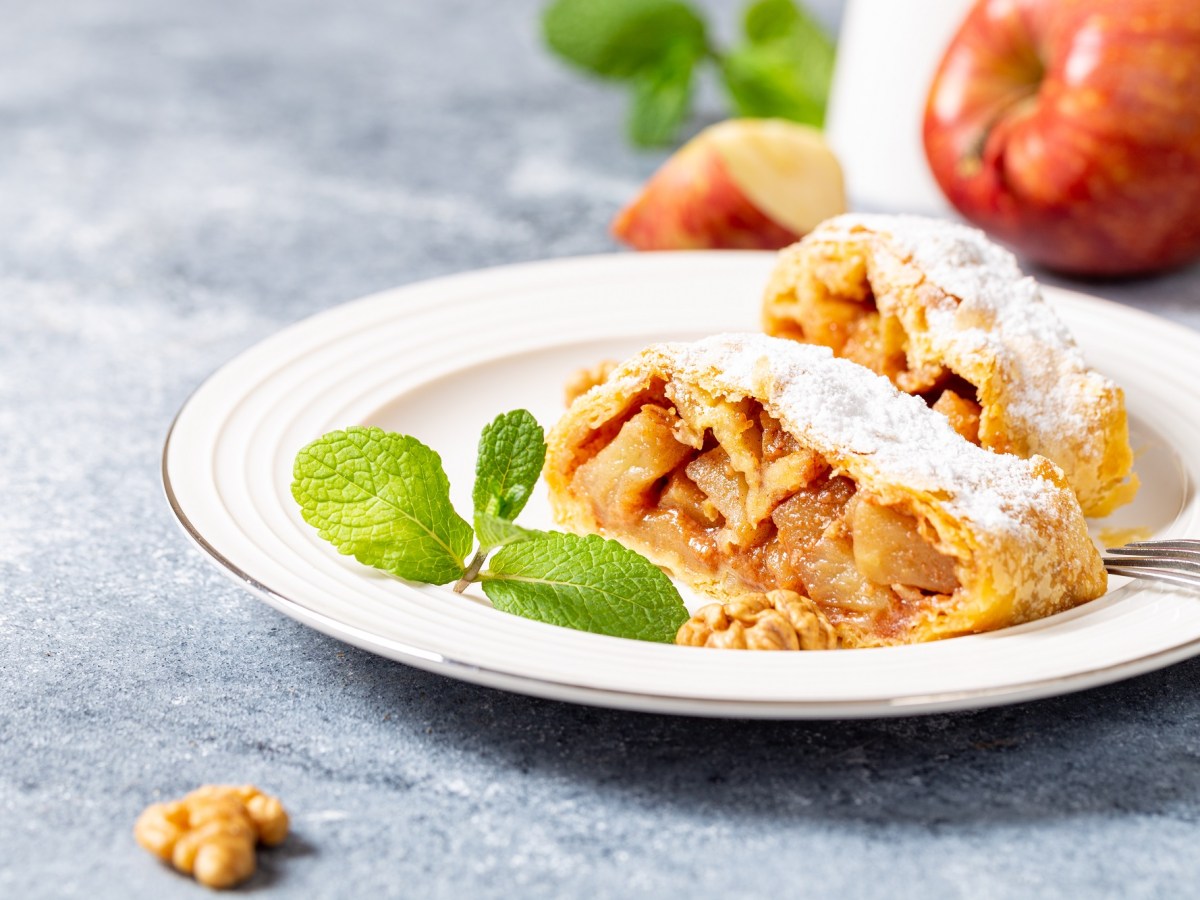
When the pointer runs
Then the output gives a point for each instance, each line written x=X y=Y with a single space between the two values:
x=776 y=620
x=210 y=834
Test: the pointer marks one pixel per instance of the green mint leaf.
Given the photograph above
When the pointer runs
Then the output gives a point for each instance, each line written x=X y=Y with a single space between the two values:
x=767 y=20
x=585 y=583
x=662 y=99
x=492 y=531
x=385 y=500
x=621 y=38
x=512 y=450
x=771 y=81
x=785 y=69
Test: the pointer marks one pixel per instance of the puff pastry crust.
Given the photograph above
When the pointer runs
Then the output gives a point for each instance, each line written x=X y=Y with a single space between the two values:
x=744 y=463
x=948 y=315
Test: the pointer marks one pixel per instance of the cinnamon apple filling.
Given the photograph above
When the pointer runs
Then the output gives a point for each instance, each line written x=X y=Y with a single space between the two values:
x=730 y=494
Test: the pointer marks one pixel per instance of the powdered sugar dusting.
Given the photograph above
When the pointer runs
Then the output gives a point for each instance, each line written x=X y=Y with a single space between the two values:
x=1001 y=314
x=837 y=406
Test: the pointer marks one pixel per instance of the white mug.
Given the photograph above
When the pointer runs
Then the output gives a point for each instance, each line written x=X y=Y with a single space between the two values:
x=888 y=51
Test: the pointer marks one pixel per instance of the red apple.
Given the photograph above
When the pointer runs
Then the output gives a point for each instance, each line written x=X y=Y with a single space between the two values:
x=747 y=184
x=1070 y=129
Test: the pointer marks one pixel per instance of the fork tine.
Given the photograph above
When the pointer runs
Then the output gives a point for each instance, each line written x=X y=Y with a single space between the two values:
x=1181 y=558
x=1173 y=544
x=1158 y=563
x=1174 y=561
x=1181 y=579
x=1161 y=550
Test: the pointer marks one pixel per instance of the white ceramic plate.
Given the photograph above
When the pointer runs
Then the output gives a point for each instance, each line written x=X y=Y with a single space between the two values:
x=440 y=359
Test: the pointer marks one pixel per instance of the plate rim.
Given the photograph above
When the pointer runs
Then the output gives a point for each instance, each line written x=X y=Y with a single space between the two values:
x=643 y=701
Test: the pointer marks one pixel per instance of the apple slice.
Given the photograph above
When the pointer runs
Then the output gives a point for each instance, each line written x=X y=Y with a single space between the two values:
x=747 y=184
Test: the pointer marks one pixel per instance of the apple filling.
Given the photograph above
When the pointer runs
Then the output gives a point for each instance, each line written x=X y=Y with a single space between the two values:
x=726 y=492
x=839 y=311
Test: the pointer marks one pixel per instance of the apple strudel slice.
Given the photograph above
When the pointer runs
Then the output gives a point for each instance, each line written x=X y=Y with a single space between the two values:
x=744 y=463
x=946 y=314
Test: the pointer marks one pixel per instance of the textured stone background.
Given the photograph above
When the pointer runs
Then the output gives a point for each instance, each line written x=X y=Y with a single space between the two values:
x=179 y=180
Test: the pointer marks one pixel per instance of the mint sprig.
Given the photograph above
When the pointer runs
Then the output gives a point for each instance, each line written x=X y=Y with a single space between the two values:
x=385 y=499
x=781 y=69
x=586 y=583
x=512 y=451
x=784 y=68
x=662 y=98
x=622 y=38
x=494 y=532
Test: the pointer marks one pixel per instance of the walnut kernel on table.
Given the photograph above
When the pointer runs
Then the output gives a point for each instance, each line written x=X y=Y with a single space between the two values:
x=776 y=620
x=211 y=833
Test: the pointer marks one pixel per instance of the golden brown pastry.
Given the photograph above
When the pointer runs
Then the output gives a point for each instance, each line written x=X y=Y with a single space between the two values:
x=583 y=380
x=948 y=315
x=744 y=463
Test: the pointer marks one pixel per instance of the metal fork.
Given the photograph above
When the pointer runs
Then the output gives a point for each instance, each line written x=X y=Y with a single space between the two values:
x=1175 y=562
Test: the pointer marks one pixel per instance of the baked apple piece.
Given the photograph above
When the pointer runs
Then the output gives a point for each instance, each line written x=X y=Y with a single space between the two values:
x=947 y=315
x=749 y=464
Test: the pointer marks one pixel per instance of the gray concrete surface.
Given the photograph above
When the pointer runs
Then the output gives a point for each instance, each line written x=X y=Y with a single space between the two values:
x=179 y=180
